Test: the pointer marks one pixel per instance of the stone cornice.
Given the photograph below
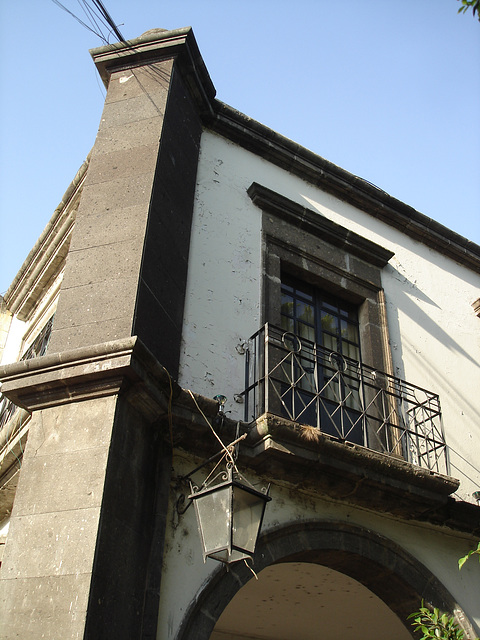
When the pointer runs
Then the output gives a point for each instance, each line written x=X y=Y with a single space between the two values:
x=46 y=259
x=159 y=44
x=309 y=461
x=318 y=225
x=101 y=370
x=79 y=374
x=316 y=463
x=298 y=160
x=275 y=447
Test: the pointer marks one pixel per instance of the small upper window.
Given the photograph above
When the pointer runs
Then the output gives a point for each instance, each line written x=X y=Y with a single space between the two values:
x=39 y=345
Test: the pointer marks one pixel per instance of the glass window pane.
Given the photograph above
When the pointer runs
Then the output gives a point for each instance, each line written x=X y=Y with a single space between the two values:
x=287 y=305
x=306 y=374
x=330 y=386
x=349 y=331
x=306 y=332
x=330 y=307
x=213 y=514
x=350 y=350
x=288 y=324
x=353 y=399
x=247 y=516
x=329 y=322
x=329 y=342
x=305 y=312
x=303 y=293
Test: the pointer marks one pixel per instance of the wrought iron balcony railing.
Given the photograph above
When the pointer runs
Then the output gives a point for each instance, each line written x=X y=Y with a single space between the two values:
x=302 y=381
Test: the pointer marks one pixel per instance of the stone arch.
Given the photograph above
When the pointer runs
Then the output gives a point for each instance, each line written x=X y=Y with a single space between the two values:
x=386 y=569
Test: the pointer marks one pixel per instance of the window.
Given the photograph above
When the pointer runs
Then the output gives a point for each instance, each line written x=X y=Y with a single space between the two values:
x=320 y=317
x=321 y=385
x=36 y=349
x=40 y=344
x=322 y=298
x=322 y=289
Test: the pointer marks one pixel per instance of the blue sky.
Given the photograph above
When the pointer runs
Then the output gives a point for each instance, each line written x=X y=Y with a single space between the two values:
x=387 y=90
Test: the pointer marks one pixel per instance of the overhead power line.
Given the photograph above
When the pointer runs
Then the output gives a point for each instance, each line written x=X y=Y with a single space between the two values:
x=109 y=20
x=98 y=17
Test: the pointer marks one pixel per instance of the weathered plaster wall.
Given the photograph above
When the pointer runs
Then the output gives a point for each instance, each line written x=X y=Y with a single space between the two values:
x=222 y=306
x=13 y=342
x=435 y=341
x=438 y=551
x=21 y=333
x=433 y=329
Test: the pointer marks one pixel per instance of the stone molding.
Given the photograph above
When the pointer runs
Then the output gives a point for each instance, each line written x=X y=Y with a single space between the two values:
x=155 y=45
x=279 y=450
x=318 y=225
x=351 y=473
x=45 y=261
x=102 y=370
x=84 y=373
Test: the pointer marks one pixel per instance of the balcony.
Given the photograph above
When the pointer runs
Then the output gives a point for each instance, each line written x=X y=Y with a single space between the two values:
x=348 y=401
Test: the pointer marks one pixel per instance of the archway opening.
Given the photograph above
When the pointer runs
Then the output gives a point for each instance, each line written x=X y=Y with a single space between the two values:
x=348 y=557
x=306 y=601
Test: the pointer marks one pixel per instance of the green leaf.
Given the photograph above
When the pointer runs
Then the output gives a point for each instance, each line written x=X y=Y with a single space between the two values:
x=472 y=552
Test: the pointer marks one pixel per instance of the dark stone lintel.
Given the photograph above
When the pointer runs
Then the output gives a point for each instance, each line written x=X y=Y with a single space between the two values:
x=318 y=225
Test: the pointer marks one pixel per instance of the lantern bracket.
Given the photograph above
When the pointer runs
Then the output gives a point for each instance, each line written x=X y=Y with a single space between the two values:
x=230 y=452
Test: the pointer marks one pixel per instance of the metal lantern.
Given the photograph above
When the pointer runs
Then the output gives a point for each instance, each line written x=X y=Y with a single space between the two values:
x=229 y=516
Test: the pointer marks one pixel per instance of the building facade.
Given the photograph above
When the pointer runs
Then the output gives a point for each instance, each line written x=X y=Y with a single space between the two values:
x=206 y=281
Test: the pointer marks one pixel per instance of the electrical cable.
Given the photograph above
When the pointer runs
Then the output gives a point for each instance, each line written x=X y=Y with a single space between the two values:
x=109 y=20
x=228 y=453
x=90 y=15
x=99 y=35
x=98 y=17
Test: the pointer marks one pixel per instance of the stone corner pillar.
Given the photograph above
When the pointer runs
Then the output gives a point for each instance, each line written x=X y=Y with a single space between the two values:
x=126 y=270
x=83 y=555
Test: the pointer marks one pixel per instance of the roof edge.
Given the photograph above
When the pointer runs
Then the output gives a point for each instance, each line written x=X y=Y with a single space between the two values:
x=300 y=161
x=36 y=270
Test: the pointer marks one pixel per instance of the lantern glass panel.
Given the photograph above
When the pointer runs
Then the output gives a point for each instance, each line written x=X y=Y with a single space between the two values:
x=248 y=511
x=213 y=513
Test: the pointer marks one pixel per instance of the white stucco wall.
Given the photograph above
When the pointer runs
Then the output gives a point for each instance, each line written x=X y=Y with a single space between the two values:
x=14 y=341
x=434 y=333
x=22 y=333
